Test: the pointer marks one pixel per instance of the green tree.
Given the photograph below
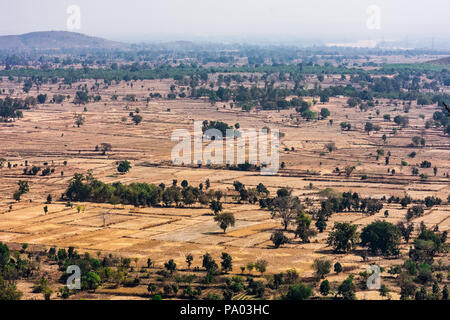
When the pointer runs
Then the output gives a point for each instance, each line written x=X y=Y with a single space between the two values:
x=8 y=290
x=325 y=288
x=343 y=237
x=383 y=290
x=90 y=281
x=189 y=259
x=170 y=265
x=304 y=230
x=215 y=206
x=381 y=237
x=209 y=264
x=324 y=112
x=261 y=265
x=4 y=254
x=79 y=120
x=368 y=127
x=278 y=238
x=137 y=118
x=445 y=293
x=337 y=267
x=299 y=292
x=124 y=166
x=226 y=263
x=322 y=267
x=225 y=220
x=347 y=289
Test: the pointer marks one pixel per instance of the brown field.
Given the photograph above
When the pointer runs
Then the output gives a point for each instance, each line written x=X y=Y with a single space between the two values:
x=47 y=134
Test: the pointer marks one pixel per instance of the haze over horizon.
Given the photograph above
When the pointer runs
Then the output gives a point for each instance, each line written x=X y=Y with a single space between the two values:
x=283 y=21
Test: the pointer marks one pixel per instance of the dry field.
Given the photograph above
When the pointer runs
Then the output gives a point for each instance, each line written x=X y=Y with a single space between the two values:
x=47 y=134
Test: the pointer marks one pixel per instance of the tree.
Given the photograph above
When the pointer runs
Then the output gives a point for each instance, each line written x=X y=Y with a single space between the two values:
x=304 y=230
x=151 y=288
x=4 y=254
x=79 y=120
x=325 y=288
x=41 y=98
x=90 y=281
x=286 y=208
x=353 y=102
x=299 y=292
x=407 y=289
x=384 y=291
x=278 y=238
x=444 y=293
x=381 y=237
x=436 y=290
x=414 y=211
x=261 y=265
x=170 y=265
x=23 y=188
x=348 y=170
x=345 y=125
x=137 y=118
x=324 y=112
x=343 y=237
x=49 y=199
x=81 y=97
x=331 y=146
x=216 y=206
x=322 y=267
x=406 y=230
x=309 y=115
x=368 y=127
x=8 y=291
x=226 y=262
x=347 y=289
x=124 y=166
x=401 y=120
x=209 y=264
x=261 y=188
x=189 y=259
x=337 y=267
x=421 y=294
x=321 y=223
x=104 y=147
x=225 y=220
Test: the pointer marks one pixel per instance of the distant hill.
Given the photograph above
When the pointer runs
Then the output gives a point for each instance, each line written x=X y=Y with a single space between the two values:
x=445 y=60
x=50 y=40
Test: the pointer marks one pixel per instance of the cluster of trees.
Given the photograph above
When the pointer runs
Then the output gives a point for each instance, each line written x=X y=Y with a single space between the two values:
x=23 y=188
x=419 y=270
x=440 y=119
x=380 y=237
x=87 y=188
x=218 y=125
x=347 y=201
x=11 y=270
x=289 y=209
x=34 y=170
x=11 y=108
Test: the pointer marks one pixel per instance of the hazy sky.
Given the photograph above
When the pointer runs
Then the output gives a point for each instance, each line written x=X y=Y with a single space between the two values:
x=147 y=20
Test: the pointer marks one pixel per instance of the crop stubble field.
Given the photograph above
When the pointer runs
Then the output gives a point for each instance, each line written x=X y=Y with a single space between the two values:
x=47 y=134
